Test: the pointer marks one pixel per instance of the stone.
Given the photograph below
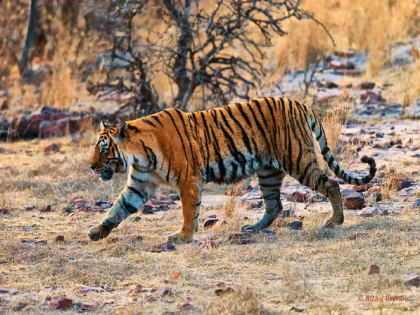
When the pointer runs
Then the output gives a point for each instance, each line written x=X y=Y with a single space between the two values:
x=88 y=306
x=374 y=197
x=397 y=180
x=163 y=247
x=209 y=244
x=368 y=212
x=379 y=134
x=173 y=196
x=406 y=184
x=10 y=291
x=357 y=235
x=370 y=97
x=62 y=303
x=365 y=85
x=239 y=235
x=59 y=238
x=374 y=189
x=131 y=239
x=162 y=291
x=209 y=222
x=345 y=53
x=52 y=148
x=253 y=185
x=220 y=292
x=31 y=207
x=373 y=270
x=4 y=211
x=298 y=309
x=354 y=201
x=2 y=150
x=135 y=219
x=378 y=146
x=86 y=289
x=40 y=242
x=295 y=225
x=359 y=188
x=410 y=280
x=185 y=307
x=330 y=85
x=46 y=208
x=245 y=241
x=171 y=300
x=299 y=196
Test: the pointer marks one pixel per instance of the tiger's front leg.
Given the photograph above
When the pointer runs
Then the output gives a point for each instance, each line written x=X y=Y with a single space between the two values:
x=190 y=195
x=131 y=199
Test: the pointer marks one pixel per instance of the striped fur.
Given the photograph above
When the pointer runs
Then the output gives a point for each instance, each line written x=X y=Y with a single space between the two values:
x=268 y=136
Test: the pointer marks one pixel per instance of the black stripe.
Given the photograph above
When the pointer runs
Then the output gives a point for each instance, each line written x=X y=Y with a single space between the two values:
x=169 y=170
x=136 y=130
x=261 y=113
x=244 y=134
x=269 y=185
x=225 y=121
x=148 y=122
x=137 y=179
x=127 y=206
x=138 y=193
x=239 y=106
x=302 y=177
x=187 y=135
x=325 y=150
x=261 y=129
x=269 y=175
x=330 y=161
x=182 y=141
x=157 y=119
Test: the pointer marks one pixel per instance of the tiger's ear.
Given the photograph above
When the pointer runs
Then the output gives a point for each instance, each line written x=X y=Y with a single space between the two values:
x=120 y=132
x=103 y=125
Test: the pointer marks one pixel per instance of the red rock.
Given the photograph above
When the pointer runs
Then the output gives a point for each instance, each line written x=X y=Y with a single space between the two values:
x=345 y=53
x=368 y=212
x=220 y=292
x=330 y=85
x=365 y=85
x=52 y=148
x=370 y=97
x=47 y=208
x=299 y=196
x=86 y=289
x=354 y=201
x=62 y=303
x=359 y=188
x=10 y=291
x=373 y=270
x=359 y=235
x=210 y=222
x=208 y=244
x=88 y=306
x=239 y=235
x=162 y=291
x=334 y=64
x=253 y=185
x=59 y=238
x=75 y=124
x=410 y=280
x=378 y=146
x=397 y=179
x=247 y=241
x=375 y=189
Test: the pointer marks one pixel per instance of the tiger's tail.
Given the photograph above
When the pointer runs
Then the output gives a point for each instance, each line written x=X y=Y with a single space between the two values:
x=318 y=131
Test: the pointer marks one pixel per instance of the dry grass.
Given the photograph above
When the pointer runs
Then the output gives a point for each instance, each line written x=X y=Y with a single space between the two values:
x=324 y=273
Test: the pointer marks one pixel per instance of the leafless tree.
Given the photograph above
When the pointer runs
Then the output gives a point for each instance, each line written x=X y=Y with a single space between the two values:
x=198 y=48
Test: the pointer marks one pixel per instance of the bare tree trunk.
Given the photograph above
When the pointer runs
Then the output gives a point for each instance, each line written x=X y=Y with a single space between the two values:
x=29 y=37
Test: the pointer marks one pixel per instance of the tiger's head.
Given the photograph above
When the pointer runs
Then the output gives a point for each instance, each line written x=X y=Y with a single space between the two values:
x=106 y=158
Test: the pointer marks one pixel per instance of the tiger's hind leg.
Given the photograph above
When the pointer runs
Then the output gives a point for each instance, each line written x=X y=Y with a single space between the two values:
x=314 y=178
x=269 y=180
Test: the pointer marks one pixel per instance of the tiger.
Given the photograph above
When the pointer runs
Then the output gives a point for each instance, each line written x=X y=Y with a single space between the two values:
x=269 y=136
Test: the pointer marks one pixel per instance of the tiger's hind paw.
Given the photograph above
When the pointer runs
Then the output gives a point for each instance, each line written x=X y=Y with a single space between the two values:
x=335 y=220
x=100 y=231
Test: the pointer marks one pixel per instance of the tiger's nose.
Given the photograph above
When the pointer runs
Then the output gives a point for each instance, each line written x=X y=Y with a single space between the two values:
x=92 y=167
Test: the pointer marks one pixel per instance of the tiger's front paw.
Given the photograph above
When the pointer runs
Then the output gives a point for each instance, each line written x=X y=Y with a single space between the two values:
x=100 y=231
x=180 y=238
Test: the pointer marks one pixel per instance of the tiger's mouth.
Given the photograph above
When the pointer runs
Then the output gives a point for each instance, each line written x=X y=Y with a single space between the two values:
x=106 y=175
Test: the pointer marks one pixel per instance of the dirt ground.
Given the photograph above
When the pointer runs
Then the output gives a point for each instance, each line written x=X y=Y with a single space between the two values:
x=310 y=270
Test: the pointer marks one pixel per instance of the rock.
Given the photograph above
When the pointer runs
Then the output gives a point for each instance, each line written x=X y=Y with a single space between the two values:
x=359 y=235
x=373 y=270
x=4 y=211
x=135 y=219
x=88 y=306
x=354 y=201
x=209 y=244
x=40 y=242
x=52 y=148
x=297 y=309
x=267 y=232
x=414 y=147
x=299 y=196
x=46 y=208
x=209 y=222
x=410 y=280
x=59 y=238
x=397 y=179
x=62 y=303
x=31 y=207
x=10 y=291
x=2 y=150
x=185 y=307
x=368 y=212
x=374 y=197
x=171 y=300
x=239 y=235
x=345 y=53
x=131 y=239
x=330 y=85
x=406 y=184
x=334 y=64
x=173 y=196
x=359 y=188
x=162 y=291
x=253 y=185
x=86 y=289
x=378 y=146
x=365 y=85
x=163 y=247
x=295 y=225
x=245 y=241
x=220 y=292
x=370 y=97
x=374 y=189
